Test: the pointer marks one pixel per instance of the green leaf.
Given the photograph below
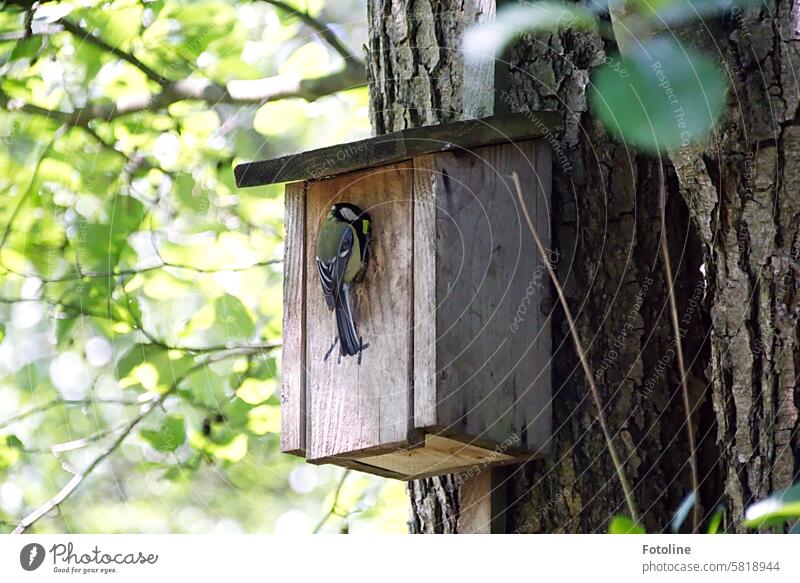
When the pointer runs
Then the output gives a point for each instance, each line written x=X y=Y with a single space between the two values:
x=189 y=195
x=100 y=245
x=682 y=512
x=151 y=367
x=624 y=525
x=716 y=520
x=206 y=388
x=665 y=97
x=10 y=451
x=487 y=40
x=781 y=507
x=234 y=317
x=26 y=48
x=2 y=331
x=169 y=436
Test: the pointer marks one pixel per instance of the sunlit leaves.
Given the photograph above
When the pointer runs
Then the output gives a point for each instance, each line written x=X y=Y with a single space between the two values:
x=119 y=23
x=310 y=60
x=664 y=97
x=169 y=435
x=265 y=419
x=254 y=391
x=151 y=367
x=280 y=117
x=100 y=220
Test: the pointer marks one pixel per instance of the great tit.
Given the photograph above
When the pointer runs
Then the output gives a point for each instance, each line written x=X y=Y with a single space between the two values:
x=342 y=253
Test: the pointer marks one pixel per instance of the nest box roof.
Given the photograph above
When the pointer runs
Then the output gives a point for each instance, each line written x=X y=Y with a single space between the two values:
x=397 y=146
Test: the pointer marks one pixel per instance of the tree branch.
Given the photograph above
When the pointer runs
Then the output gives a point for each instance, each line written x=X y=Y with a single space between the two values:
x=323 y=30
x=59 y=401
x=334 y=504
x=238 y=92
x=78 y=478
x=85 y=35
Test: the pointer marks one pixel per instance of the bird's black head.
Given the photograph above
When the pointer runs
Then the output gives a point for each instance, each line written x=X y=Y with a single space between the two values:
x=348 y=212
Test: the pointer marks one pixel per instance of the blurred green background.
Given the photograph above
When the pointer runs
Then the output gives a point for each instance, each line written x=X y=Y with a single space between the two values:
x=140 y=291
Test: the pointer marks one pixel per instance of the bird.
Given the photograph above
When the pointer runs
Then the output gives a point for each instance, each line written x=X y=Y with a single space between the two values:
x=343 y=246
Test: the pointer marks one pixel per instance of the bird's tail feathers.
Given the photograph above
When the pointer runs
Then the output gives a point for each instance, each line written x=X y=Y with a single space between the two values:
x=349 y=342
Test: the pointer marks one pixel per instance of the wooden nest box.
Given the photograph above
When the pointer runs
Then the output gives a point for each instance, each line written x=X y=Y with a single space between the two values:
x=457 y=371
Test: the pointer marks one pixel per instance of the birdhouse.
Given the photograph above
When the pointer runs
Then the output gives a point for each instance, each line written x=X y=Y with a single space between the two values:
x=452 y=306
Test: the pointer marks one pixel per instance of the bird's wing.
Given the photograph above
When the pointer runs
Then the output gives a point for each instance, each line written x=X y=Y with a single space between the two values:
x=332 y=272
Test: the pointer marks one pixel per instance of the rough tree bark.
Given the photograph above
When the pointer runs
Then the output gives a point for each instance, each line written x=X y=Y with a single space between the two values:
x=733 y=211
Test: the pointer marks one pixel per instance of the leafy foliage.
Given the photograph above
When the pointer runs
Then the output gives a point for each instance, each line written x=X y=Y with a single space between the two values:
x=133 y=273
x=656 y=95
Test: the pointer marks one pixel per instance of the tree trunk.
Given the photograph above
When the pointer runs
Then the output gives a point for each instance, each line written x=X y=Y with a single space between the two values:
x=734 y=257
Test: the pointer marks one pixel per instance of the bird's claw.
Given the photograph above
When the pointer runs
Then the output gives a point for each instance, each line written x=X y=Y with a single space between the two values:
x=327 y=354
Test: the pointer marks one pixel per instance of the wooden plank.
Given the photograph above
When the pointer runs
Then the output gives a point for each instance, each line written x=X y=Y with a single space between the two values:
x=475 y=504
x=293 y=382
x=440 y=455
x=354 y=407
x=424 y=292
x=493 y=376
x=396 y=147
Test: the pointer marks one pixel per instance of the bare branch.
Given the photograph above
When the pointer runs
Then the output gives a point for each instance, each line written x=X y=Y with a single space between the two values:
x=78 y=478
x=323 y=30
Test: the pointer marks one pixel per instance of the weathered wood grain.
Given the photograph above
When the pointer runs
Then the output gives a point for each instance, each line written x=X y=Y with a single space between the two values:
x=440 y=455
x=493 y=378
x=424 y=292
x=475 y=504
x=293 y=377
x=354 y=407
x=396 y=147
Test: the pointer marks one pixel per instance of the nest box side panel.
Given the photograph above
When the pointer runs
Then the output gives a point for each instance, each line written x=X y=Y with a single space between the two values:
x=352 y=407
x=493 y=343
x=293 y=382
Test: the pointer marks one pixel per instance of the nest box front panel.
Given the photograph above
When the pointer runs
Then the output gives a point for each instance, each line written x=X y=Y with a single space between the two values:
x=352 y=407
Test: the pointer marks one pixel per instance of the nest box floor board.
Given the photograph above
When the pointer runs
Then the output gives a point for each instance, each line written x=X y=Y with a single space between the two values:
x=439 y=455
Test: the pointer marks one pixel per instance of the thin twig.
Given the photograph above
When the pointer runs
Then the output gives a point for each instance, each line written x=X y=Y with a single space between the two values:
x=322 y=29
x=59 y=401
x=138 y=270
x=24 y=197
x=679 y=347
x=74 y=444
x=78 y=478
x=85 y=35
x=601 y=418
x=332 y=511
